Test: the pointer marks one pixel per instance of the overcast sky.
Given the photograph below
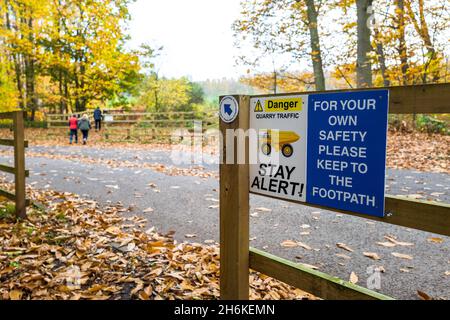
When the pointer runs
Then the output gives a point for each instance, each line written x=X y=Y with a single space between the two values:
x=196 y=35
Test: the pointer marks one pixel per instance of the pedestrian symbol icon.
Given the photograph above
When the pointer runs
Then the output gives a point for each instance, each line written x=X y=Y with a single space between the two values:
x=259 y=107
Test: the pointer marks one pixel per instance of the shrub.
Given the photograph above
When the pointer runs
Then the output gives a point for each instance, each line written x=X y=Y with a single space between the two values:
x=429 y=124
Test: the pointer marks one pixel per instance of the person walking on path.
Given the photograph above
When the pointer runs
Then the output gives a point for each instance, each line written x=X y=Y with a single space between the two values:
x=73 y=126
x=98 y=117
x=84 y=125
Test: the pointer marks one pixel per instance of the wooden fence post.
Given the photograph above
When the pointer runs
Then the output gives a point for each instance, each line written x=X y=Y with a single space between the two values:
x=19 y=163
x=234 y=212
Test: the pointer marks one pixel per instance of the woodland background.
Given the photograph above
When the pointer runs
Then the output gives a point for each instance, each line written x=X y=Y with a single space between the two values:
x=62 y=56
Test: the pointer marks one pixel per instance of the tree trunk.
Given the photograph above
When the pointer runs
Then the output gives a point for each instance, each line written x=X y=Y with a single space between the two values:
x=19 y=84
x=61 y=92
x=316 y=53
x=78 y=107
x=422 y=30
x=400 y=25
x=275 y=84
x=66 y=94
x=30 y=76
x=363 y=64
x=61 y=73
x=381 y=58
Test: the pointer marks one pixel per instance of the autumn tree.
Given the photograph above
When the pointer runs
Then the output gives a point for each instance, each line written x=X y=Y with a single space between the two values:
x=363 y=42
x=21 y=32
x=398 y=51
x=74 y=51
x=91 y=38
x=160 y=94
x=286 y=32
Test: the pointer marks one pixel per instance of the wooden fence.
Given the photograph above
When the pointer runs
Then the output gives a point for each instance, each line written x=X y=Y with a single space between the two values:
x=237 y=257
x=124 y=126
x=18 y=170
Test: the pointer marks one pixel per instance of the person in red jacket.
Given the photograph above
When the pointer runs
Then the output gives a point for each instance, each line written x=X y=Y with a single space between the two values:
x=73 y=125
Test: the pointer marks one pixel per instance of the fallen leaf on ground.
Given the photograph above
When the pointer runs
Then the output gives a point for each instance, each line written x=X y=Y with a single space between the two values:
x=387 y=244
x=353 y=278
x=15 y=294
x=304 y=246
x=344 y=246
x=398 y=243
x=289 y=244
x=372 y=255
x=380 y=269
x=414 y=196
x=422 y=295
x=310 y=266
x=435 y=240
x=402 y=256
x=343 y=256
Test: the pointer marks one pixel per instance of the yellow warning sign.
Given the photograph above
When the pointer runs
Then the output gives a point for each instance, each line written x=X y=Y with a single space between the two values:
x=283 y=104
x=259 y=107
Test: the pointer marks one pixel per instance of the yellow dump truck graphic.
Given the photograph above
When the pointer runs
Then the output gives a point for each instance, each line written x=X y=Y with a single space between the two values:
x=267 y=141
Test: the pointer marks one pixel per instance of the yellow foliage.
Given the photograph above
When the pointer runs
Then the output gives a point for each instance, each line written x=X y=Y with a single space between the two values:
x=8 y=94
x=285 y=82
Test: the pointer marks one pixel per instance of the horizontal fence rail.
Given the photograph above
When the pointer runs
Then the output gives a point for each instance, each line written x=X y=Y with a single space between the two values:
x=429 y=216
x=414 y=99
x=144 y=126
x=312 y=281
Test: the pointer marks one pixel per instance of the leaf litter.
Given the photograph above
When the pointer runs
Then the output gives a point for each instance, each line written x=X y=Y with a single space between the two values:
x=76 y=250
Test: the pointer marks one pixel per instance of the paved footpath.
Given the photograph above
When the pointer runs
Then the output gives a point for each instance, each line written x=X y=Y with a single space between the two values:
x=188 y=205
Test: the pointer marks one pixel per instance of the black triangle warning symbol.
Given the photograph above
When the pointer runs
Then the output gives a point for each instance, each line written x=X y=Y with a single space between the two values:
x=259 y=107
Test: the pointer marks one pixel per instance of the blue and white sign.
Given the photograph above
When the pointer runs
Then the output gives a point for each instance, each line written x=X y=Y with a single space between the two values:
x=229 y=109
x=347 y=151
x=342 y=162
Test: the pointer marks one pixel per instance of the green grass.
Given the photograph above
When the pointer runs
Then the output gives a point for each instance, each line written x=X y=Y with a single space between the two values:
x=7 y=211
